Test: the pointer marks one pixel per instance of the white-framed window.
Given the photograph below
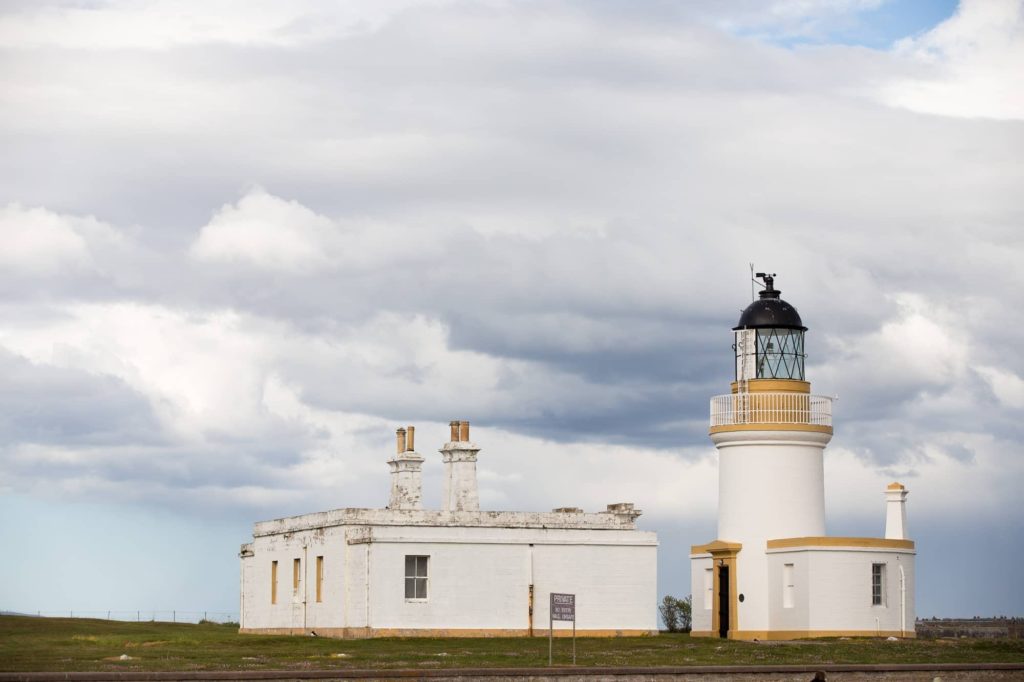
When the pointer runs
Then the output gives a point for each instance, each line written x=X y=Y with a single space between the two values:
x=878 y=584
x=709 y=588
x=787 y=586
x=416 y=576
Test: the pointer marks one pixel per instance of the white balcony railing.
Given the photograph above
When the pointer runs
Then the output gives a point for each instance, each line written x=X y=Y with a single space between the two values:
x=771 y=408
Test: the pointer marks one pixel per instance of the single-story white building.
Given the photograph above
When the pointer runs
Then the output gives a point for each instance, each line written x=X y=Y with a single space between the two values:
x=458 y=571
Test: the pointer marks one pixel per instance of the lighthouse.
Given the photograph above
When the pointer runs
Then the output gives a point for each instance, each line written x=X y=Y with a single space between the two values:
x=772 y=572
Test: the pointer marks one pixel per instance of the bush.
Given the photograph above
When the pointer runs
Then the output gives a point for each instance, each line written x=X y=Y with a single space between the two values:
x=677 y=614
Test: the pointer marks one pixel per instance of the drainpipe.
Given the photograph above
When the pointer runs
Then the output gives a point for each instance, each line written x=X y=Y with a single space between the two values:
x=903 y=602
x=367 y=604
x=305 y=588
x=531 y=596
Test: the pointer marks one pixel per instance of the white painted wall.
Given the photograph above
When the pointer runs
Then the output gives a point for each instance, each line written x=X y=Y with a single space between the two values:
x=702 y=610
x=294 y=609
x=834 y=589
x=796 y=617
x=479 y=577
x=771 y=484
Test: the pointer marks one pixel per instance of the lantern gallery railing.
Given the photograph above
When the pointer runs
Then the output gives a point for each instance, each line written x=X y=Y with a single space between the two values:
x=771 y=408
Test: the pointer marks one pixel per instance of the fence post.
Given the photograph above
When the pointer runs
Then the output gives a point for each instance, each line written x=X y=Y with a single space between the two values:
x=138 y=616
x=108 y=615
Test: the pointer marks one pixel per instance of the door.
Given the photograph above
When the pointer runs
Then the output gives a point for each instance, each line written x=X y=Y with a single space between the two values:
x=723 y=601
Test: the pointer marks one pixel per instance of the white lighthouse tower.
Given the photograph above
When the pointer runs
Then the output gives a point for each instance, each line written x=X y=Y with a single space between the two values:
x=773 y=573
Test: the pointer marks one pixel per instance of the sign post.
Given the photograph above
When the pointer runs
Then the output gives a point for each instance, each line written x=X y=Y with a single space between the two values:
x=562 y=607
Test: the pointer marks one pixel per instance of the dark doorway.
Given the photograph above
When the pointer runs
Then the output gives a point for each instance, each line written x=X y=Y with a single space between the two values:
x=723 y=601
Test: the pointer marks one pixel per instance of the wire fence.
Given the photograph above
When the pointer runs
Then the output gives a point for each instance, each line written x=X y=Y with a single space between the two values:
x=172 y=616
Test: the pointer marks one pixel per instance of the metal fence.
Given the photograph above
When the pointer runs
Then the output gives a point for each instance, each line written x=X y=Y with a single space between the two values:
x=771 y=408
x=172 y=616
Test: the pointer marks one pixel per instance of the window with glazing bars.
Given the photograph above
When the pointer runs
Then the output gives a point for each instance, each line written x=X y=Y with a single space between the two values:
x=877 y=584
x=780 y=354
x=416 y=577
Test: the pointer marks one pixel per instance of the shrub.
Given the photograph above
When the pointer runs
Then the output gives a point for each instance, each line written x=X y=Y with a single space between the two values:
x=677 y=614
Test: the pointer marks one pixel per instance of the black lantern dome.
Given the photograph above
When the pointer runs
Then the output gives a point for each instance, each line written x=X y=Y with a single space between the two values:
x=769 y=338
x=770 y=311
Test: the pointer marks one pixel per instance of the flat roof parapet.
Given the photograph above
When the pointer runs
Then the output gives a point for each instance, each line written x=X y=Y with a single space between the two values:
x=608 y=520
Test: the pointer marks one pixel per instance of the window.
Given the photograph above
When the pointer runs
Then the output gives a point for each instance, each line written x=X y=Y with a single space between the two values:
x=416 y=577
x=319 y=578
x=878 y=584
x=296 y=574
x=709 y=588
x=273 y=582
x=780 y=354
x=787 y=586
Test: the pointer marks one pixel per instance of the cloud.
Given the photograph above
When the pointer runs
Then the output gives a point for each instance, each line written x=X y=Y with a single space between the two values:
x=161 y=24
x=268 y=232
x=536 y=216
x=971 y=65
x=1008 y=387
x=41 y=242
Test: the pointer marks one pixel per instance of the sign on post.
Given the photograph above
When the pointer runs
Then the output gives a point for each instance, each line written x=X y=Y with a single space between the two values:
x=562 y=607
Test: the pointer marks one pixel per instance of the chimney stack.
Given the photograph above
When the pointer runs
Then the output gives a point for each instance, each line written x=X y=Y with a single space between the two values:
x=896 y=512
x=406 y=467
x=459 y=457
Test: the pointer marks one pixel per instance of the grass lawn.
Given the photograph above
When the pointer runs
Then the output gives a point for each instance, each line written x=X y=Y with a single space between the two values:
x=79 y=644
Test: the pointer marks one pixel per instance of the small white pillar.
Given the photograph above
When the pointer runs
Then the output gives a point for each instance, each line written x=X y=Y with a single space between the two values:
x=459 y=457
x=896 y=512
x=406 y=478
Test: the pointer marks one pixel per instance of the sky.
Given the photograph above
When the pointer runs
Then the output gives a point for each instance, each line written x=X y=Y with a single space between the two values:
x=243 y=242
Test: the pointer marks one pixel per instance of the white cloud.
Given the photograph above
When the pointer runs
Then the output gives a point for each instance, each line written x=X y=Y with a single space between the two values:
x=160 y=24
x=971 y=65
x=922 y=347
x=203 y=373
x=40 y=242
x=268 y=232
x=1008 y=387
x=937 y=480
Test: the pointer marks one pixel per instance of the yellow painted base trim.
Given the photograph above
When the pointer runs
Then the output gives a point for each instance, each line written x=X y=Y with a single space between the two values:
x=820 y=541
x=703 y=633
x=370 y=633
x=770 y=427
x=772 y=635
x=774 y=386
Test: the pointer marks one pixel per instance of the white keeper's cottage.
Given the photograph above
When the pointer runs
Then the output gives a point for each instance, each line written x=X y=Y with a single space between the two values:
x=457 y=571
x=772 y=573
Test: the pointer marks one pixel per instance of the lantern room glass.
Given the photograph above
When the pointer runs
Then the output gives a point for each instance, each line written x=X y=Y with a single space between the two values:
x=780 y=354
